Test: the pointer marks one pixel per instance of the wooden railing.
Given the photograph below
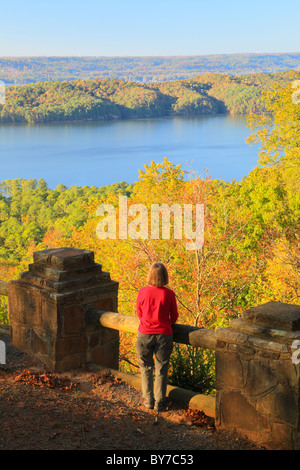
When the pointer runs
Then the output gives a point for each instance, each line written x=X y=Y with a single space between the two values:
x=197 y=337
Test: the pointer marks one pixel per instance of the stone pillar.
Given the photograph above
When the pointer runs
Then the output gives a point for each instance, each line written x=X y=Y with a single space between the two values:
x=258 y=378
x=47 y=306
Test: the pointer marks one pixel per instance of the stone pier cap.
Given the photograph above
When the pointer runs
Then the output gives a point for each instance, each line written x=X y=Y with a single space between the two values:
x=61 y=270
x=271 y=323
x=275 y=315
x=64 y=258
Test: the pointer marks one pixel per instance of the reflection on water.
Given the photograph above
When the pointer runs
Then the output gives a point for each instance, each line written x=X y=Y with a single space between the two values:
x=100 y=153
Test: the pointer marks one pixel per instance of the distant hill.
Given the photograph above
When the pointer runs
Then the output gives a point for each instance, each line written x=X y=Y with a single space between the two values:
x=22 y=70
x=104 y=99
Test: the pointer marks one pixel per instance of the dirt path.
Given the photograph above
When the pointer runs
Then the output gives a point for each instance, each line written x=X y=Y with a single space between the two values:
x=84 y=409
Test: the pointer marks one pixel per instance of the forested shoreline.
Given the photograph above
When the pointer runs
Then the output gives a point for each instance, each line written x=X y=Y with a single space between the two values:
x=106 y=99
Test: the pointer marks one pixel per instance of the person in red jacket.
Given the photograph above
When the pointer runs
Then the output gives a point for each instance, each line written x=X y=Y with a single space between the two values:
x=157 y=311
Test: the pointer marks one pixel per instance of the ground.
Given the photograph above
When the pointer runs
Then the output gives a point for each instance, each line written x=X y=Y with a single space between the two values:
x=87 y=410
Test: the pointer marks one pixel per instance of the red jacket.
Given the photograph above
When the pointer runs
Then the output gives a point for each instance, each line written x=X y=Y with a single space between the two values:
x=157 y=310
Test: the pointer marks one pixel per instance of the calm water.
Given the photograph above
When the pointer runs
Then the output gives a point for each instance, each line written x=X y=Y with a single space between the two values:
x=100 y=153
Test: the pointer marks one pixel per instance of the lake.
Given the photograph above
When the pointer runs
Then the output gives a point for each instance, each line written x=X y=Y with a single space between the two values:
x=101 y=153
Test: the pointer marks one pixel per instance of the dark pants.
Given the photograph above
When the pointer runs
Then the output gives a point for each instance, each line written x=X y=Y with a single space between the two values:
x=149 y=347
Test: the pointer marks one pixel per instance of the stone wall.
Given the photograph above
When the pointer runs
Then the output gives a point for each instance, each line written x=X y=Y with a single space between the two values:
x=47 y=306
x=257 y=381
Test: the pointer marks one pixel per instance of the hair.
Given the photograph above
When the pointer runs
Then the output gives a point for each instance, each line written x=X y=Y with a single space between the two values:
x=158 y=275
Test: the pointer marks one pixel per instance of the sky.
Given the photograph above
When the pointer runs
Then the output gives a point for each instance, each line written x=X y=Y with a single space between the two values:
x=153 y=28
